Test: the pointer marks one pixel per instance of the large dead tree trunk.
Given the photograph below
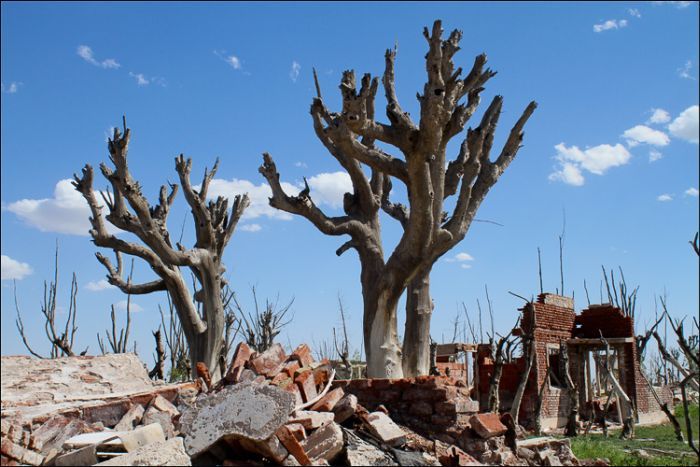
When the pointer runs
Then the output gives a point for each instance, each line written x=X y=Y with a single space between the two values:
x=429 y=232
x=416 y=338
x=201 y=314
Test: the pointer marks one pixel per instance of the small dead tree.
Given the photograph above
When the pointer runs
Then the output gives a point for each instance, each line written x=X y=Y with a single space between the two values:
x=158 y=371
x=623 y=401
x=529 y=353
x=130 y=211
x=117 y=343
x=61 y=341
x=429 y=232
x=572 y=391
x=343 y=350
x=177 y=351
x=499 y=356
x=261 y=329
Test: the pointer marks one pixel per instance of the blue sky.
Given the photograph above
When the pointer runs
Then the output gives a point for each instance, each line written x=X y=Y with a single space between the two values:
x=613 y=145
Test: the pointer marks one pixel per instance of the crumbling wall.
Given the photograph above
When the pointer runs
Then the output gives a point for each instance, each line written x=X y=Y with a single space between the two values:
x=431 y=405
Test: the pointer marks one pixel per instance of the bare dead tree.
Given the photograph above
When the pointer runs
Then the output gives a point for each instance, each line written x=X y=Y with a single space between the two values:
x=673 y=360
x=695 y=243
x=61 y=341
x=118 y=344
x=623 y=299
x=343 y=350
x=428 y=233
x=623 y=401
x=495 y=380
x=686 y=412
x=177 y=351
x=469 y=322
x=529 y=353
x=572 y=391
x=261 y=328
x=130 y=211
x=232 y=326
x=158 y=371
x=539 y=401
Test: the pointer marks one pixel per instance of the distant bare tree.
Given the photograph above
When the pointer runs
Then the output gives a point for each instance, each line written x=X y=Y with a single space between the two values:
x=119 y=344
x=177 y=351
x=61 y=342
x=261 y=329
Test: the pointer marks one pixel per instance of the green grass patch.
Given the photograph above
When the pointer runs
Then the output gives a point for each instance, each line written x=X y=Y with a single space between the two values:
x=613 y=448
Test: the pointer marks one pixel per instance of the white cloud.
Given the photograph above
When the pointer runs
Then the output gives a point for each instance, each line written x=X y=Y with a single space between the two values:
x=12 y=88
x=140 y=79
x=659 y=116
x=86 y=54
x=461 y=258
x=569 y=174
x=596 y=160
x=251 y=228
x=294 y=71
x=684 y=71
x=685 y=126
x=330 y=188
x=232 y=60
x=466 y=266
x=301 y=164
x=609 y=24
x=258 y=194
x=664 y=198
x=692 y=191
x=67 y=212
x=642 y=134
x=98 y=286
x=654 y=155
x=134 y=307
x=13 y=269
x=634 y=12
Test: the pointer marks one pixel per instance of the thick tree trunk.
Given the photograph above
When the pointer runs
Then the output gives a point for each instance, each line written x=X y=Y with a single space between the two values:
x=381 y=339
x=416 y=339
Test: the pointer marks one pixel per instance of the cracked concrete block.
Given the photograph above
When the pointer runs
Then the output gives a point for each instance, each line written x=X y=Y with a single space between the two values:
x=385 y=429
x=163 y=419
x=243 y=410
x=170 y=452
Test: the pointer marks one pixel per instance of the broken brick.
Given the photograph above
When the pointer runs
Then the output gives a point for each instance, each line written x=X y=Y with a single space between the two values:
x=240 y=357
x=268 y=361
x=303 y=355
x=297 y=429
x=131 y=418
x=271 y=448
x=345 y=408
x=20 y=454
x=294 y=390
x=322 y=374
x=289 y=441
x=279 y=379
x=203 y=372
x=307 y=385
x=311 y=420
x=290 y=367
x=324 y=444
x=327 y=402
x=487 y=425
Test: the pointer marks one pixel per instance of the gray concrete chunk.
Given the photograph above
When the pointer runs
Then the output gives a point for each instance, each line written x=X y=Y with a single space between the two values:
x=171 y=452
x=244 y=410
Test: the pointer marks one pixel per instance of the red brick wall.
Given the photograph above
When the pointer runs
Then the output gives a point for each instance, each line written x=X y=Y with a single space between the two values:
x=433 y=406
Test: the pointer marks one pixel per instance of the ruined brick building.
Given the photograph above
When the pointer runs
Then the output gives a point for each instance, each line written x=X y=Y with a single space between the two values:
x=556 y=323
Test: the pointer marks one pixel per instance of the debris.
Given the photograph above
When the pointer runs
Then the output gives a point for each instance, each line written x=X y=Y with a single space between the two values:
x=245 y=410
x=163 y=419
x=290 y=441
x=380 y=425
x=329 y=401
x=170 y=452
x=20 y=454
x=325 y=443
x=359 y=452
x=487 y=425
x=131 y=418
x=311 y=420
x=345 y=408
x=141 y=436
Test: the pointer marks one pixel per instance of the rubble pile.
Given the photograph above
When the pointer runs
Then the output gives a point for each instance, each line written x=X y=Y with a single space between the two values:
x=269 y=407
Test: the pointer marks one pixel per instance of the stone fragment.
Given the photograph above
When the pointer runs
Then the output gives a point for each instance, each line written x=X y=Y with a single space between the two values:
x=359 y=452
x=293 y=389
x=131 y=418
x=82 y=456
x=385 y=429
x=324 y=444
x=171 y=452
x=298 y=430
x=163 y=419
x=110 y=438
x=245 y=410
x=345 y=408
x=303 y=355
x=454 y=456
x=141 y=436
x=20 y=454
x=410 y=458
x=291 y=443
x=328 y=402
x=247 y=376
x=311 y=420
x=487 y=425
x=164 y=405
x=268 y=361
x=240 y=357
x=307 y=385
